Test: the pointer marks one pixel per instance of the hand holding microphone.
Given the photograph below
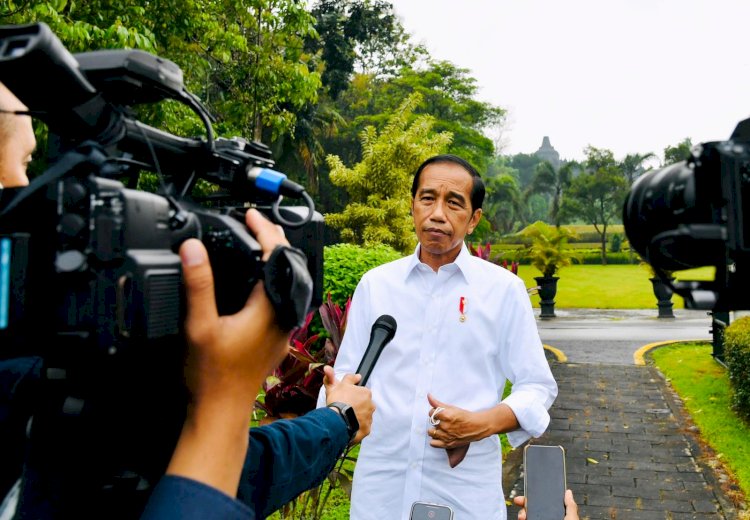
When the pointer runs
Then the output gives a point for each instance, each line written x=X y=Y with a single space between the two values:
x=347 y=392
x=349 y=396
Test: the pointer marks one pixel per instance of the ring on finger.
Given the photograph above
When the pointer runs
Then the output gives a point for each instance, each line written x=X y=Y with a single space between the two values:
x=433 y=419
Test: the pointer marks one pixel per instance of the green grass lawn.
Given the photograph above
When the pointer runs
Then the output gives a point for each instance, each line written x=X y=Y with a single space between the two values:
x=703 y=385
x=607 y=286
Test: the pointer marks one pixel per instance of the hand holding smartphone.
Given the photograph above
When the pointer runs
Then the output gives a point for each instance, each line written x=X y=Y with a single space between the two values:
x=544 y=482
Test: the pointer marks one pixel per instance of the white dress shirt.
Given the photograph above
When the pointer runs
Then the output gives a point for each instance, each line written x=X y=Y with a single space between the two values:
x=461 y=363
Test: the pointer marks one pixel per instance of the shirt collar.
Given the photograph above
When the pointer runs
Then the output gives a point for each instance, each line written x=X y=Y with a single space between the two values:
x=462 y=262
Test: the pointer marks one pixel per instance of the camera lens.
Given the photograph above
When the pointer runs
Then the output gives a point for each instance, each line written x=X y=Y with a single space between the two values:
x=673 y=216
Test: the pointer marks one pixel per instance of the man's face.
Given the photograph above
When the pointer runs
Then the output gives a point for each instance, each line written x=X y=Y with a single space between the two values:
x=17 y=142
x=442 y=212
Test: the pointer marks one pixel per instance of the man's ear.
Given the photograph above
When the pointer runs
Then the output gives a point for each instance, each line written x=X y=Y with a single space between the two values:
x=475 y=218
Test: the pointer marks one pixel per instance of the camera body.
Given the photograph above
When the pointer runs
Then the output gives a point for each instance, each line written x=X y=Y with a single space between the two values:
x=692 y=214
x=110 y=251
x=90 y=278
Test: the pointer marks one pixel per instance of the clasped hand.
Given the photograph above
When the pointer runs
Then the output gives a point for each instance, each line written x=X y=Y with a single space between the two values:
x=455 y=426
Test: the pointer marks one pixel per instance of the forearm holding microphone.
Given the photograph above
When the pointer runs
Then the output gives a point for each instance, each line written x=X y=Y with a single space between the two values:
x=381 y=333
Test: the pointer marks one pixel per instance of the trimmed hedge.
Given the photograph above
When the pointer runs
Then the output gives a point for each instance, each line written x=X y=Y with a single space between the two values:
x=585 y=233
x=581 y=256
x=344 y=265
x=737 y=357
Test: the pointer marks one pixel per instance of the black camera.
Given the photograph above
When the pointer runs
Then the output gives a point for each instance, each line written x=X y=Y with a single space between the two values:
x=692 y=214
x=89 y=276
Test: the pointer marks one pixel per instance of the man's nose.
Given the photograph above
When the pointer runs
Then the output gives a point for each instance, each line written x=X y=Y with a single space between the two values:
x=438 y=211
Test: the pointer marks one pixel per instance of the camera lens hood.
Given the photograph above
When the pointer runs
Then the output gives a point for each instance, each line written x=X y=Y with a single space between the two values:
x=288 y=285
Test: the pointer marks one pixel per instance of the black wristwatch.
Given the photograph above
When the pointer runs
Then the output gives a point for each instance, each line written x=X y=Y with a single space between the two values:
x=350 y=418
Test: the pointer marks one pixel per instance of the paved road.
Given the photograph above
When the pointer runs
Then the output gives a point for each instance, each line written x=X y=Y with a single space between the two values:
x=631 y=454
x=613 y=336
x=631 y=448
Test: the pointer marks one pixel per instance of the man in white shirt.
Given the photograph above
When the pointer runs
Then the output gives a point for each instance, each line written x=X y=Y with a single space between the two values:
x=465 y=325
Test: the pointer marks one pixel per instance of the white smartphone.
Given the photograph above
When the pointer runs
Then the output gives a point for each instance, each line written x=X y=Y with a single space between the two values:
x=427 y=511
x=544 y=482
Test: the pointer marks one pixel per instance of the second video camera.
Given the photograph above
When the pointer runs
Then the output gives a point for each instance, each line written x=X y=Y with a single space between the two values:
x=692 y=214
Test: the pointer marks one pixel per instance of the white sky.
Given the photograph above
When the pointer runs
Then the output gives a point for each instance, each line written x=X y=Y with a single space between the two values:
x=632 y=76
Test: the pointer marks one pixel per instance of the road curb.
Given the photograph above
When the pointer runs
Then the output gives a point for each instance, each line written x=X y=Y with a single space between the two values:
x=639 y=356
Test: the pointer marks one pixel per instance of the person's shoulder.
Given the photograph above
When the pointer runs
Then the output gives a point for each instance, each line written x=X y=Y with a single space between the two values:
x=388 y=268
x=492 y=275
x=491 y=269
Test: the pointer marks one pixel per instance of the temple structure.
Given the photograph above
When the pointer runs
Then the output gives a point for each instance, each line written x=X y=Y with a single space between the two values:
x=548 y=153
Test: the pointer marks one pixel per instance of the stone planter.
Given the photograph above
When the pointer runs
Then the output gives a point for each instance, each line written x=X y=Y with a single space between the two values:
x=663 y=297
x=547 y=291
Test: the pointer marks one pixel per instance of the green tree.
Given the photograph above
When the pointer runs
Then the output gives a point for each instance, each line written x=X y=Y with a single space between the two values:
x=632 y=165
x=526 y=165
x=597 y=194
x=349 y=34
x=678 y=152
x=448 y=94
x=358 y=34
x=379 y=186
x=244 y=59
x=553 y=183
x=503 y=204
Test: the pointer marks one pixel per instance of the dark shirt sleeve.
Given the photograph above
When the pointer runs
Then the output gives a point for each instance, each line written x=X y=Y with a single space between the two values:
x=19 y=384
x=289 y=457
x=186 y=499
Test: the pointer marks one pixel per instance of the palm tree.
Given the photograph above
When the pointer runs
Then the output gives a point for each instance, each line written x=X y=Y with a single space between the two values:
x=549 y=181
x=315 y=123
x=632 y=165
x=503 y=204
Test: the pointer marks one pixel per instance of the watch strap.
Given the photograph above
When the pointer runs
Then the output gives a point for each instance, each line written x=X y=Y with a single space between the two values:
x=348 y=415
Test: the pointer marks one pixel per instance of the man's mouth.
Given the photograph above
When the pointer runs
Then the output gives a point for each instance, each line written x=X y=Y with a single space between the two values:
x=435 y=231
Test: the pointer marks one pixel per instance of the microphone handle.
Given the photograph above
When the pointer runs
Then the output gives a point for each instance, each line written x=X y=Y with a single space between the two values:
x=378 y=341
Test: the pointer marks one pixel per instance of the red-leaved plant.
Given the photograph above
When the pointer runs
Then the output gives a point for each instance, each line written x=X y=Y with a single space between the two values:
x=483 y=252
x=293 y=388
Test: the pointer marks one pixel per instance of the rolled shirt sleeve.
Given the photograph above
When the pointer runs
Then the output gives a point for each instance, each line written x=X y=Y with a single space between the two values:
x=534 y=388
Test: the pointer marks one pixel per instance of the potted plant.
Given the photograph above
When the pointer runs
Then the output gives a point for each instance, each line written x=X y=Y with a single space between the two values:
x=661 y=284
x=548 y=251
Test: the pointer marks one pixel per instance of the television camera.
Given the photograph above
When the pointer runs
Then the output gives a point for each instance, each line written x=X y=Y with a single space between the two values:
x=692 y=214
x=90 y=281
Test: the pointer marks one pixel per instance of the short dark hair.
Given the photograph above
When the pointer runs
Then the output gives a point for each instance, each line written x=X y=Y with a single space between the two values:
x=477 y=187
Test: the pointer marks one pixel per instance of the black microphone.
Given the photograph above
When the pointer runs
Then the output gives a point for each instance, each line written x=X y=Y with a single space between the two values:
x=381 y=334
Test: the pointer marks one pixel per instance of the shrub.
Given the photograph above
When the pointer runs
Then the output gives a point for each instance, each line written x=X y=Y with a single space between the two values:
x=615 y=245
x=344 y=265
x=737 y=357
x=594 y=257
